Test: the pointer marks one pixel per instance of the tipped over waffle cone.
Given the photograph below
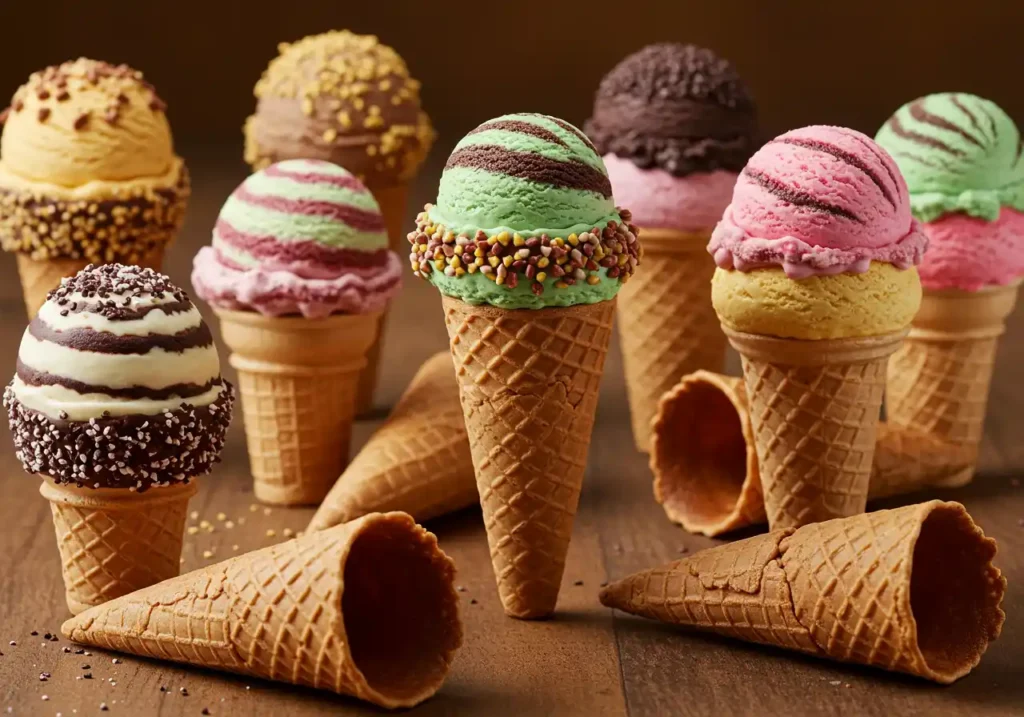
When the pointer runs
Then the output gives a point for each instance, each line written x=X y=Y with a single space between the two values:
x=367 y=609
x=392 y=201
x=114 y=541
x=814 y=408
x=418 y=462
x=912 y=590
x=529 y=381
x=705 y=466
x=675 y=330
x=298 y=379
x=939 y=380
x=41 y=276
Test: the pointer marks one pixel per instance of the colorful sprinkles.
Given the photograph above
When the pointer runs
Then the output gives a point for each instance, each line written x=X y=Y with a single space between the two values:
x=507 y=258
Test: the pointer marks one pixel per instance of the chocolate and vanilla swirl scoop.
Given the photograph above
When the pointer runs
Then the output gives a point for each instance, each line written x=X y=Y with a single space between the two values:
x=118 y=384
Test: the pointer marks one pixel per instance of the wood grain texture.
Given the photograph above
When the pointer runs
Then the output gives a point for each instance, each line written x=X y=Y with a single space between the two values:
x=586 y=661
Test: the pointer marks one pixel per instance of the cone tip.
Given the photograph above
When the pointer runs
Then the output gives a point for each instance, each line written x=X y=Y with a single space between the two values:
x=615 y=595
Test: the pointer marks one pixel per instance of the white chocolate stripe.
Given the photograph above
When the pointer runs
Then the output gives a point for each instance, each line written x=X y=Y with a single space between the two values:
x=155 y=322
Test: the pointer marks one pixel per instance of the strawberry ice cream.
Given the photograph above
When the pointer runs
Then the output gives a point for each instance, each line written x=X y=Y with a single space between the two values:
x=969 y=253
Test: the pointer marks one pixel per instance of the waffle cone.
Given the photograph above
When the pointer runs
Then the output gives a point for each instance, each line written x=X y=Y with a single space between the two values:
x=528 y=381
x=912 y=590
x=705 y=462
x=418 y=462
x=367 y=609
x=939 y=379
x=40 y=277
x=298 y=379
x=679 y=332
x=814 y=408
x=115 y=541
x=393 y=202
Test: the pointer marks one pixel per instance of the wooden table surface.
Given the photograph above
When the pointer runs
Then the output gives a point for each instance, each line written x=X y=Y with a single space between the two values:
x=585 y=661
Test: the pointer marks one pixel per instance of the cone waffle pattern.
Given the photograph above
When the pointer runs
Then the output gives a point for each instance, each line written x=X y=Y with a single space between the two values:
x=815 y=429
x=275 y=614
x=838 y=589
x=418 y=462
x=679 y=333
x=529 y=386
x=298 y=425
x=111 y=547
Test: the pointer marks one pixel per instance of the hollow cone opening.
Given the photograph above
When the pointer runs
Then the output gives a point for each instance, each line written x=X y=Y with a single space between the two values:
x=400 y=611
x=955 y=592
x=701 y=457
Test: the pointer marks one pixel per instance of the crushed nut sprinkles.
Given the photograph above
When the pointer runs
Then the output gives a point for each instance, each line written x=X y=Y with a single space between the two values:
x=506 y=258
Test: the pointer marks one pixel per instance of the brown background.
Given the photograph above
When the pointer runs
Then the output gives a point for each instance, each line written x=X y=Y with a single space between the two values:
x=807 y=61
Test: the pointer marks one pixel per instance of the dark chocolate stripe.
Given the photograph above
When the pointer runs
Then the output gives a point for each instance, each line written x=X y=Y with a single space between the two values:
x=925 y=162
x=991 y=122
x=572 y=130
x=918 y=112
x=520 y=127
x=32 y=377
x=793 y=196
x=955 y=99
x=843 y=156
x=113 y=311
x=884 y=158
x=533 y=167
x=85 y=339
x=900 y=131
x=1020 y=148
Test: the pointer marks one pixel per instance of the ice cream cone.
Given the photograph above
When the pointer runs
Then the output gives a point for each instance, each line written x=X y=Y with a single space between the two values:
x=418 y=462
x=298 y=379
x=705 y=462
x=912 y=590
x=678 y=331
x=40 y=277
x=814 y=410
x=939 y=380
x=114 y=541
x=529 y=381
x=393 y=202
x=367 y=609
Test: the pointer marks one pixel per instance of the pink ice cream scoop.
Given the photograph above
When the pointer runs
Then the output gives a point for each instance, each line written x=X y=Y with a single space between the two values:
x=661 y=200
x=817 y=201
x=969 y=253
x=299 y=237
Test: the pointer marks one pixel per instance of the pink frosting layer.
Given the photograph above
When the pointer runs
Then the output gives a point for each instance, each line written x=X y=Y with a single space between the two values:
x=818 y=200
x=279 y=293
x=661 y=200
x=969 y=253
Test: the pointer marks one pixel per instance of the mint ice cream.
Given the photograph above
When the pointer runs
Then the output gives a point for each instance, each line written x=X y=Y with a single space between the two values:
x=525 y=219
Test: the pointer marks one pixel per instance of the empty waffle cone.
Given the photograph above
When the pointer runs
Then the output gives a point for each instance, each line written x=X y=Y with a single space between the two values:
x=814 y=408
x=366 y=609
x=418 y=462
x=679 y=333
x=392 y=201
x=115 y=541
x=298 y=379
x=705 y=463
x=912 y=590
x=40 y=277
x=939 y=379
x=528 y=381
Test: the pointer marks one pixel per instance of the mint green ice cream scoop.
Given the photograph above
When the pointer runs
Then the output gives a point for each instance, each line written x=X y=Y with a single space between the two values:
x=525 y=219
x=958 y=153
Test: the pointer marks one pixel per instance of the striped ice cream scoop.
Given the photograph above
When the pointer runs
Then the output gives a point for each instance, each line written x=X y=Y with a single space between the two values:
x=299 y=237
x=118 y=383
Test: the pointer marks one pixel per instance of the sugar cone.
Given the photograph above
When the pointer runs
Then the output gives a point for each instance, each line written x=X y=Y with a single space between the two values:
x=814 y=407
x=393 y=202
x=40 y=277
x=418 y=462
x=115 y=541
x=679 y=332
x=298 y=380
x=912 y=590
x=705 y=467
x=367 y=609
x=528 y=381
x=939 y=379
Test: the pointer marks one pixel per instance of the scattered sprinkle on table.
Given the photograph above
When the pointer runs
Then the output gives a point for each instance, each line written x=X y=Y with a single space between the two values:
x=194 y=515
x=288 y=532
x=207 y=554
x=271 y=533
